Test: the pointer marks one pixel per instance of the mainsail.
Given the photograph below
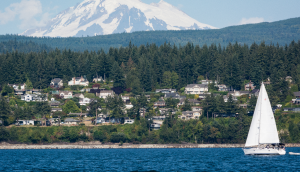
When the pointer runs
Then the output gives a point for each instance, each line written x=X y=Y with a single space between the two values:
x=263 y=128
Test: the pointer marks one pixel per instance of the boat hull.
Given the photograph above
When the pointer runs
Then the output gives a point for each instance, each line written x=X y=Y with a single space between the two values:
x=263 y=151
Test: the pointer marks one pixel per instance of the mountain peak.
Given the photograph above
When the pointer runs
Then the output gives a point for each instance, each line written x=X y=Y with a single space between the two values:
x=101 y=17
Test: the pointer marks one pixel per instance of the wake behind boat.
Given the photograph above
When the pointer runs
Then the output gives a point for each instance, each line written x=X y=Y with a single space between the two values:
x=294 y=153
x=263 y=137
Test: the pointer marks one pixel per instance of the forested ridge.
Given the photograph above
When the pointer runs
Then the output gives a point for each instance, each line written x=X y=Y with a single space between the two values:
x=25 y=47
x=281 y=32
x=142 y=69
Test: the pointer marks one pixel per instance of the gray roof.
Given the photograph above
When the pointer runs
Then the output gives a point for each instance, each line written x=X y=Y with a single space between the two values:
x=255 y=91
x=199 y=85
x=297 y=94
x=170 y=95
x=71 y=120
x=56 y=80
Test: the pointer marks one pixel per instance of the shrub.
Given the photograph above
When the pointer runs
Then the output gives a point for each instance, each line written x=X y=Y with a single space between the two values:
x=118 y=137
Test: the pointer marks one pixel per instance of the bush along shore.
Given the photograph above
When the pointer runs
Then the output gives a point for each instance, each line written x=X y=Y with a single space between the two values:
x=203 y=131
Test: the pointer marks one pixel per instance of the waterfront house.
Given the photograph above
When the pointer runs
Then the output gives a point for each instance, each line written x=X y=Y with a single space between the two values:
x=255 y=92
x=66 y=94
x=187 y=115
x=105 y=93
x=249 y=86
x=71 y=121
x=196 y=108
x=222 y=87
x=56 y=83
x=125 y=98
x=85 y=101
x=155 y=126
x=25 y=122
x=238 y=93
x=159 y=104
x=174 y=96
x=166 y=111
x=206 y=82
x=128 y=121
x=33 y=98
x=196 y=89
x=165 y=91
x=297 y=94
x=18 y=86
x=226 y=97
x=79 y=81
x=98 y=79
x=56 y=110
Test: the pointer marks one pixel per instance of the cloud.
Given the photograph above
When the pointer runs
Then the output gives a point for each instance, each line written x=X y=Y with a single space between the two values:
x=26 y=11
x=252 y=20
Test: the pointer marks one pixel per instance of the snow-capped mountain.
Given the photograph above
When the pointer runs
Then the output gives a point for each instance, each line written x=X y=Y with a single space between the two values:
x=102 y=17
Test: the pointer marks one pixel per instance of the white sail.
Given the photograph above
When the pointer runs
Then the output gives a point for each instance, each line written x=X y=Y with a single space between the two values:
x=263 y=126
x=253 y=135
x=268 y=129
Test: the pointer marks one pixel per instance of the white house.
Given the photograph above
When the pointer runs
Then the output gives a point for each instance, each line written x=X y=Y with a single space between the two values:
x=26 y=122
x=225 y=97
x=66 y=94
x=206 y=82
x=187 y=115
x=128 y=106
x=129 y=121
x=71 y=121
x=105 y=93
x=98 y=79
x=196 y=89
x=125 y=98
x=17 y=86
x=164 y=91
x=222 y=87
x=85 y=101
x=32 y=97
x=238 y=93
x=79 y=81
x=196 y=108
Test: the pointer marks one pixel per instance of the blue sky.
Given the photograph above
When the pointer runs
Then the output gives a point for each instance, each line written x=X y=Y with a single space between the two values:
x=18 y=15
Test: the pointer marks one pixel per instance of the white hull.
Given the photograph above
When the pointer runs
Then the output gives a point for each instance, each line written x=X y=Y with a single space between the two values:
x=263 y=151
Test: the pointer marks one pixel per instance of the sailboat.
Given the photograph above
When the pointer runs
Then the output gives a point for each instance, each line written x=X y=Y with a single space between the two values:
x=263 y=136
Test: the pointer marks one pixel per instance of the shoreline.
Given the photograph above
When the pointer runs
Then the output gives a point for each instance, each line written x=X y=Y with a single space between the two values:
x=7 y=146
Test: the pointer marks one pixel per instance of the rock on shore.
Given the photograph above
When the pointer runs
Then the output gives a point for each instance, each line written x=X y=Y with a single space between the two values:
x=98 y=145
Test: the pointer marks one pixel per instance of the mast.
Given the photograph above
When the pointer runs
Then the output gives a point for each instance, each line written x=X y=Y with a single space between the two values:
x=259 y=118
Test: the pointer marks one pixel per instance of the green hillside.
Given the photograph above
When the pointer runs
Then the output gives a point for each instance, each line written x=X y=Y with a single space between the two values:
x=281 y=32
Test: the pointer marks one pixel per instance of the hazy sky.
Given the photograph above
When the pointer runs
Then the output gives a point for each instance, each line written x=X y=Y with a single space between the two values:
x=18 y=15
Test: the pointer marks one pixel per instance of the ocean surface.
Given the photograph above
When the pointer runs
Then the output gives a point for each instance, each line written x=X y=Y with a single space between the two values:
x=209 y=159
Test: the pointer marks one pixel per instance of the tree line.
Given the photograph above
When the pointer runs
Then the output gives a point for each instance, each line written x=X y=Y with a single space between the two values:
x=147 y=67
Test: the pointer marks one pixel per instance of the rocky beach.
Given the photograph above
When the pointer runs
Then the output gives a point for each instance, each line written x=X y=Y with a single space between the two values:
x=99 y=145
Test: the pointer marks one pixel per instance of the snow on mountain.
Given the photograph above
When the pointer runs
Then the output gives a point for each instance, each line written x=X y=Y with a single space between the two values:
x=102 y=17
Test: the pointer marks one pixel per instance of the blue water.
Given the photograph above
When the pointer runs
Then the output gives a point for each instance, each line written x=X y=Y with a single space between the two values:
x=145 y=160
